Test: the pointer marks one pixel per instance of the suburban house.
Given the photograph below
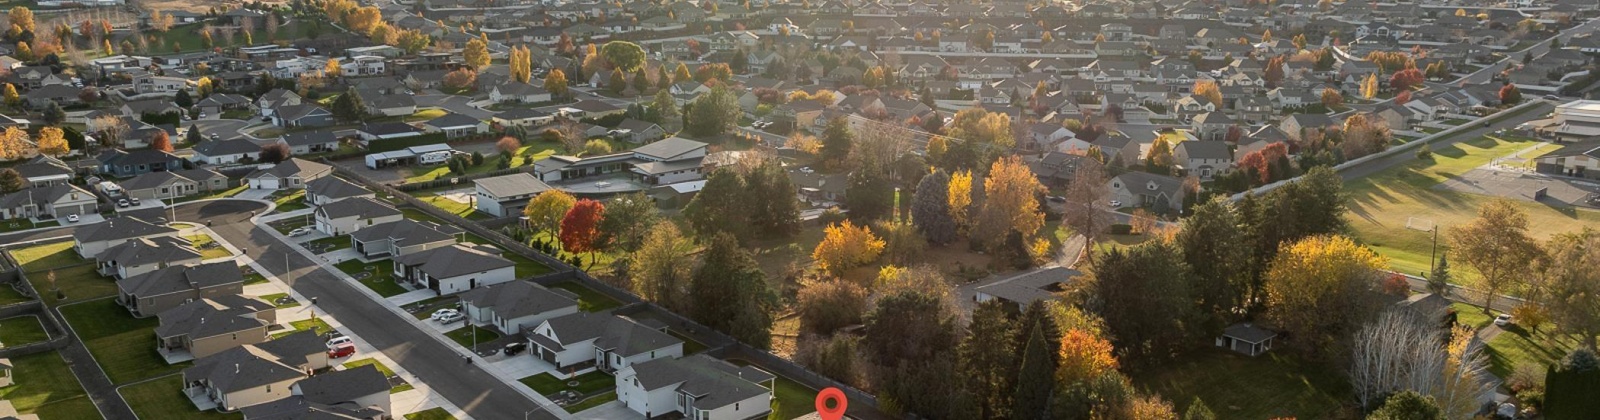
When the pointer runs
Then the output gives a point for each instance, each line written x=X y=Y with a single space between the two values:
x=1143 y=189
x=301 y=115
x=1023 y=289
x=1246 y=338
x=205 y=327
x=668 y=161
x=144 y=255
x=42 y=171
x=307 y=142
x=53 y=201
x=514 y=305
x=695 y=387
x=356 y=393
x=454 y=269
x=254 y=373
x=456 y=126
x=522 y=117
x=346 y=216
x=402 y=237
x=1204 y=159
x=639 y=131
x=582 y=341
x=386 y=131
x=167 y=185
x=218 y=103
x=506 y=195
x=225 y=152
x=289 y=174
x=328 y=189
x=91 y=240
x=518 y=93
x=126 y=163
x=165 y=288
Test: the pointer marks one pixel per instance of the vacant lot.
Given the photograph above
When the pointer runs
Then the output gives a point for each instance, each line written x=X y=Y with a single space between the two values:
x=1236 y=386
x=163 y=399
x=1381 y=204
x=124 y=346
x=45 y=386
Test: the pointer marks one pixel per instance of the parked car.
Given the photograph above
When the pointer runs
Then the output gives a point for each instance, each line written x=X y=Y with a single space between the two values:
x=1057 y=199
x=300 y=231
x=134 y=201
x=1116 y=204
x=514 y=348
x=1552 y=97
x=72 y=218
x=1502 y=320
x=342 y=350
x=452 y=317
x=443 y=313
x=122 y=202
x=340 y=340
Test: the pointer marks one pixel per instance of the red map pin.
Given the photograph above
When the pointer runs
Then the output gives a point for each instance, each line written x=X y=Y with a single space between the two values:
x=839 y=403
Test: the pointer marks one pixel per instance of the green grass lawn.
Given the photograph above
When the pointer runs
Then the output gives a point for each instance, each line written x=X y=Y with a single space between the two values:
x=463 y=335
x=16 y=225
x=332 y=244
x=433 y=304
x=163 y=399
x=317 y=325
x=594 y=401
x=291 y=201
x=187 y=36
x=79 y=282
x=454 y=207
x=589 y=300
x=215 y=195
x=254 y=278
x=9 y=295
x=124 y=346
x=1381 y=204
x=381 y=369
x=1516 y=345
x=16 y=331
x=794 y=399
x=1236 y=386
x=209 y=248
x=46 y=256
x=547 y=384
x=431 y=414
x=287 y=225
x=44 y=385
x=381 y=280
x=690 y=345
x=273 y=298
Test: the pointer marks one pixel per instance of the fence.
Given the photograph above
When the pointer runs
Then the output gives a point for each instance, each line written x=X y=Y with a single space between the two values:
x=564 y=272
x=18 y=280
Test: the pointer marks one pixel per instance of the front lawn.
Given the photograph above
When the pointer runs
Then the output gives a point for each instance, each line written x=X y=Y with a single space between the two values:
x=44 y=385
x=594 y=401
x=427 y=306
x=316 y=325
x=463 y=335
x=1236 y=386
x=292 y=201
x=254 y=278
x=273 y=299
x=379 y=277
x=387 y=373
x=209 y=248
x=589 y=300
x=1381 y=204
x=435 y=413
x=124 y=346
x=163 y=399
x=326 y=245
x=547 y=384
x=16 y=225
x=17 y=331
x=215 y=195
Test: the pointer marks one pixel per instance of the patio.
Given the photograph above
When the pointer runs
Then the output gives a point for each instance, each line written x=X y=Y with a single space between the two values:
x=174 y=355
x=198 y=396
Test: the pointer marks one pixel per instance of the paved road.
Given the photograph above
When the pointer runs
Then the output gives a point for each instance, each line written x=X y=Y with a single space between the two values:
x=475 y=391
x=1486 y=74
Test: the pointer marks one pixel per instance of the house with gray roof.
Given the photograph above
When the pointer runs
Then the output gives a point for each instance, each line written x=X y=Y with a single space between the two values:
x=582 y=341
x=1143 y=189
x=364 y=387
x=1247 y=338
x=1023 y=289
x=160 y=186
x=225 y=152
x=144 y=255
x=165 y=288
x=209 y=326
x=306 y=142
x=91 y=240
x=506 y=195
x=402 y=237
x=454 y=269
x=43 y=171
x=54 y=201
x=241 y=377
x=289 y=174
x=329 y=189
x=346 y=216
x=1204 y=159
x=300 y=408
x=126 y=163
x=514 y=305
x=455 y=125
x=697 y=386
x=301 y=115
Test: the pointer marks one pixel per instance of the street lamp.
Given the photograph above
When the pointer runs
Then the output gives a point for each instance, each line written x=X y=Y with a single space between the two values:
x=1427 y=225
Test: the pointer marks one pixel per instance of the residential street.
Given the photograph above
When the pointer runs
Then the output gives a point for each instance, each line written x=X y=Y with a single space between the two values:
x=478 y=393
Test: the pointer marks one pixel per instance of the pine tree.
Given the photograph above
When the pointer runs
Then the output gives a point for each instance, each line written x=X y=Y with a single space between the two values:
x=193 y=137
x=989 y=353
x=742 y=303
x=1035 y=378
x=930 y=209
x=1439 y=279
x=837 y=140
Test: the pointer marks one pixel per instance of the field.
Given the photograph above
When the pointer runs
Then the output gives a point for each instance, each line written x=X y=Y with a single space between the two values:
x=1236 y=386
x=124 y=346
x=1381 y=204
x=163 y=399
x=45 y=386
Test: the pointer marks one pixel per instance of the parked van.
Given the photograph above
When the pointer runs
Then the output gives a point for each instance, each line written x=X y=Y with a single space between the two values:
x=434 y=158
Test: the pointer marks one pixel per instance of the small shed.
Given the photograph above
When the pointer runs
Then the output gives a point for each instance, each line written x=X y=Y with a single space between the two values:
x=1247 y=338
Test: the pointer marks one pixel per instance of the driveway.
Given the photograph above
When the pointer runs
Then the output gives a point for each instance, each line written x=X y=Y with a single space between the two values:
x=476 y=391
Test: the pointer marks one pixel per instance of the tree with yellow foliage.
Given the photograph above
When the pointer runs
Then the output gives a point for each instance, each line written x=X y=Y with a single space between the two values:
x=1369 y=87
x=1318 y=276
x=545 y=211
x=476 y=53
x=205 y=87
x=332 y=69
x=961 y=198
x=13 y=143
x=1009 y=205
x=1084 y=357
x=1208 y=89
x=846 y=246
x=984 y=127
x=22 y=17
x=11 y=97
x=682 y=74
x=52 y=142
x=521 y=63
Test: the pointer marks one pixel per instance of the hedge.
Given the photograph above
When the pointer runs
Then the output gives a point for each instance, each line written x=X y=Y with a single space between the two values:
x=379 y=146
x=1571 y=394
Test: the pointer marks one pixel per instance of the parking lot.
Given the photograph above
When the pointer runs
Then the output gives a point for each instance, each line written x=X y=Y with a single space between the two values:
x=1522 y=186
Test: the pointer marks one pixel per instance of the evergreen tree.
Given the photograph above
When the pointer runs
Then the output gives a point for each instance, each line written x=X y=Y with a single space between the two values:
x=989 y=356
x=930 y=209
x=869 y=195
x=1035 y=378
x=736 y=298
x=720 y=206
x=1198 y=411
x=348 y=106
x=193 y=137
x=1439 y=279
x=183 y=100
x=771 y=192
x=1213 y=243
x=837 y=141
x=54 y=115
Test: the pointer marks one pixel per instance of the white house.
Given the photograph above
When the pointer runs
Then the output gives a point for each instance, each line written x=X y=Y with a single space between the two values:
x=90 y=240
x=512 y=306
x=346 y=216
x=289 y=174
x=506 y=195
x=697 y=387
x=225 y=152
x=599 y=339
x=454 y=269
x=1204 y=159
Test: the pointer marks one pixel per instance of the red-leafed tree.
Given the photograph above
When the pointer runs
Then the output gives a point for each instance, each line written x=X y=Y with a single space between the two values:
x=1509 y=94
x=580 y=228
x=1405 y=79
x=161 y=141
x=1402 y=97
x=1256 y=165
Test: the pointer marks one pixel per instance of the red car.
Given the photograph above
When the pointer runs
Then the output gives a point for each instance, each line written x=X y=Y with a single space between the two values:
x=341 y=350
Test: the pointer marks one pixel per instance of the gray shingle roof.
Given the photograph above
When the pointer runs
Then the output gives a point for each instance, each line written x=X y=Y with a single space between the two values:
x=306 y=138
x=360 y=206
x=118 y=228
x=335 y=188
x=406 y=232
x=669 y=148
x=619 y=334
x=344 y=385
x=512 y=185
x=714 y=383
x=241 y=368
x=293 y=167
x=226 y=147
x=1206 y=149
x=1025 y=288
x=212 y=317
x=517 y=299
x=452 y=120
x=181 y=278
x=168 y=249
x=456 y=260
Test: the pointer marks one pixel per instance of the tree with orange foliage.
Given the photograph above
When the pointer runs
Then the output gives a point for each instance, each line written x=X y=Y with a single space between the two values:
x=1083 y=357
x=580 y=228
x=161 y=141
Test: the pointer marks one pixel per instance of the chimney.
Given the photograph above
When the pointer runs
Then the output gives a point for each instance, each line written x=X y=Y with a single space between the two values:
x=235 y=368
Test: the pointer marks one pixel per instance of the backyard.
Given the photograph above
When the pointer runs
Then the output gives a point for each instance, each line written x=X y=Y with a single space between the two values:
x=793 y=399
x=10 y=295
x=163 y=399
x=1381 y=204
x=21 y=330
x=124 y=346
x=44 y=385
x=1516 y=345
x=1273 y=385
x=375 y=276
x=589 y=300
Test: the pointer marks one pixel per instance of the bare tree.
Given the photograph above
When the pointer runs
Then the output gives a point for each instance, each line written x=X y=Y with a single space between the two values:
x=571 y=137
x=878 y=145
x=1088 y=209
x=1399 y=351
x=111 y=129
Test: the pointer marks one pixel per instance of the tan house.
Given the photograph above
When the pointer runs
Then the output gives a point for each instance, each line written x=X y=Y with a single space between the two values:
x=144 y=255
x=157 y=291
x=209 y=326
x=244 y=376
